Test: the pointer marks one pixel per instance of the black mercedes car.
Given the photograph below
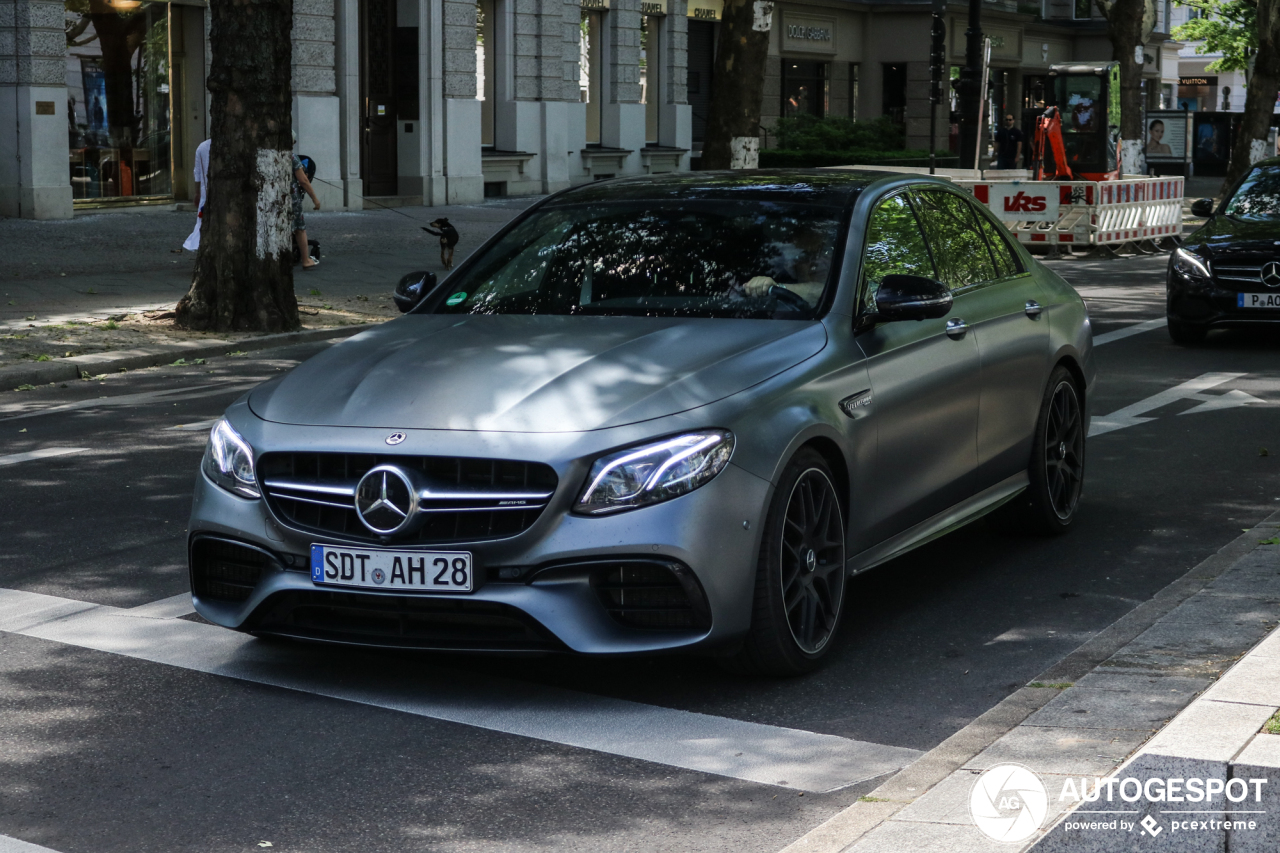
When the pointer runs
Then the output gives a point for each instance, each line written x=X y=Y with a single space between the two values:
x=1227 y=273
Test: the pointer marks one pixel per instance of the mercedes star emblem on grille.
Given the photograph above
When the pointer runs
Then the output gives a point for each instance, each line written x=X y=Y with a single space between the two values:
x=1271 y=274
x=395 y=438
x=386 y=500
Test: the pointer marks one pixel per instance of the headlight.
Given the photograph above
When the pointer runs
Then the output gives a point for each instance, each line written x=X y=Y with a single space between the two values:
x=228 y=461
x=1190 y=264
x=655 y=472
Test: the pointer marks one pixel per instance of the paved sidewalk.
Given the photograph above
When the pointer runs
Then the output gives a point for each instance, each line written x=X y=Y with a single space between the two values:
x=101 y=264
x=1098 y=709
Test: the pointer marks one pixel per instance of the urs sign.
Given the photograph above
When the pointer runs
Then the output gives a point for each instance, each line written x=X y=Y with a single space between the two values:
x=1023 y=202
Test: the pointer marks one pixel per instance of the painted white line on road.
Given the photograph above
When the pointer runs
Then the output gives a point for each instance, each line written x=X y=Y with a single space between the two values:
x=166 y=608
x=198 y=425
x=1129 y=331
x=14 y=845
x=1189 y=390
x=44 y=453
x=768 y=755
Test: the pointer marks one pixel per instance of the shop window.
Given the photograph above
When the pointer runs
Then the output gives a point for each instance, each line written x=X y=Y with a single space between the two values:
x=406 y=73
x=650 y=75
x=1034 y=88
x=894 y=97
x=1083 y=10
x=804 y=88
x=486 y=62
x=853 y=90
x=118 y=109
x=702 y=50
x=590 y=71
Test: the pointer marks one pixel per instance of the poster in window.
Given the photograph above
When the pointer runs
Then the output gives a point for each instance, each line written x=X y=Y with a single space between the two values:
x=1166 y=137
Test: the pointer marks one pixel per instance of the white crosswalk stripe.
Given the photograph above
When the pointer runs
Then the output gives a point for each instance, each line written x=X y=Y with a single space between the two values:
x=770 y=755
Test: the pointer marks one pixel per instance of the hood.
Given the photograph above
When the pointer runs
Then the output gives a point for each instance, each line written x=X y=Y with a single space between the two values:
x=1226 y=239
x=532 y=373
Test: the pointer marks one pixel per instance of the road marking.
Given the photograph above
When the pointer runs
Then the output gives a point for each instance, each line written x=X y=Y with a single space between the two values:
x=753 y=752
x=198 y=425
x=44 y=453
x=1189 y=390
x=1129 y=331
x=15 y=845
x=166 y=608
x=189 y=392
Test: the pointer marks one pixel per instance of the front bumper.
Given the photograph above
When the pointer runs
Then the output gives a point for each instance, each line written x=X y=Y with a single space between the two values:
x=543 y=579
x=1207 y=303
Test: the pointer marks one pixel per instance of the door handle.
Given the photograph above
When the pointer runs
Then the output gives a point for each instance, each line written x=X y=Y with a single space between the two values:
x=956 y=328
x=1033 y=308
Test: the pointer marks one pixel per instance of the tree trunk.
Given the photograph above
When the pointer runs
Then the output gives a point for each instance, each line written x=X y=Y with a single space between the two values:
x=1129 y=22
x=737 y=86
x=244 y=271
x=1260 y=96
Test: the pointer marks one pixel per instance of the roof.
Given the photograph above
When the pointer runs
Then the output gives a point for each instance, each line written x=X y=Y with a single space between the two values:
x=828 y=188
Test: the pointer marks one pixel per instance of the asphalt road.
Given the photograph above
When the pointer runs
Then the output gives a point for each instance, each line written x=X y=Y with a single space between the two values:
x=119 y=741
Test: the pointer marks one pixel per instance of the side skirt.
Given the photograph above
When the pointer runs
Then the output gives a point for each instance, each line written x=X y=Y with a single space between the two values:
x=940 y=525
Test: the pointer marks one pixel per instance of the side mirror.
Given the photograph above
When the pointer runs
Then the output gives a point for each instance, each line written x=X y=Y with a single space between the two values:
x=911 y=297
x=412 y=288
x=1202 y=207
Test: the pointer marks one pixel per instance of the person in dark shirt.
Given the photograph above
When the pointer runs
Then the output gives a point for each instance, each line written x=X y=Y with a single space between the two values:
x=1008 y=145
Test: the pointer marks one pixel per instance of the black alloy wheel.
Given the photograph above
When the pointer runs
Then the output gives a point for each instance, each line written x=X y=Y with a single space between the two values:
x=1064 y=450
x=1056 y=473
x=800 y=578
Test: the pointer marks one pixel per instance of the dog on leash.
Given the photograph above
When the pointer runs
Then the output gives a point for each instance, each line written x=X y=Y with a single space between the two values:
x=448 y=239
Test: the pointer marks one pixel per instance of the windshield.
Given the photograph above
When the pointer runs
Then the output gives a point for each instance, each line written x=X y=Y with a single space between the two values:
x=1258 y=198
x=703 y=258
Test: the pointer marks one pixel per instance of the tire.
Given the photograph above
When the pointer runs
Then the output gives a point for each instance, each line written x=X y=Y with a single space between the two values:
x=801 y=562
x=1186 y=334
x=1056 y=472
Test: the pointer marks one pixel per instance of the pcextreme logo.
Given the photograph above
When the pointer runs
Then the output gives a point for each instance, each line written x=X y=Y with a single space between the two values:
x=1020 y=202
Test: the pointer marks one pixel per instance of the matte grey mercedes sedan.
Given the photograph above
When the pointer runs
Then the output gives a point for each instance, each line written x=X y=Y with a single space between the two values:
x=655 y=414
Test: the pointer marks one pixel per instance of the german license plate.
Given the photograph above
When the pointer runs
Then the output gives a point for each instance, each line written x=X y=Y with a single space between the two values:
x=1258 y=300
x=398 y=571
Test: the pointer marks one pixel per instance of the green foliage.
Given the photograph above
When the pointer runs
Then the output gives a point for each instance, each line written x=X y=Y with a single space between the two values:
x=810 y=133
x=784 y=159
x=1229 y=27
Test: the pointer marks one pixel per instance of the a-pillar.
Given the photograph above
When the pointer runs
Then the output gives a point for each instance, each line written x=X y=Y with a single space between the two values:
x=35 y=180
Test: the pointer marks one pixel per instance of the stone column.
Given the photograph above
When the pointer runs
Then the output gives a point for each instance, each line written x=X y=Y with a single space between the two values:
x=459 y=116
x=35 y=178
x=316 y=106
x=675 y=123
x=622 y=114
x=347 y=85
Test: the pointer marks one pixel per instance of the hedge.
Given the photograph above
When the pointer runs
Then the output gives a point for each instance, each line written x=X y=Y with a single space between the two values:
x=784 y=159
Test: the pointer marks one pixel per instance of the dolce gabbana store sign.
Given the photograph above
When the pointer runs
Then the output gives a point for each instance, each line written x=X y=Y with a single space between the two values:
x=808 y=33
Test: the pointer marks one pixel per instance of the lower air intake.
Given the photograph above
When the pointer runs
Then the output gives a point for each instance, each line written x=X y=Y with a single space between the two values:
x=225 y=571
x=654 y=594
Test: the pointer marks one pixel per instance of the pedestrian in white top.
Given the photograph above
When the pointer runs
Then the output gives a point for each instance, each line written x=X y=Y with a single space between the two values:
x=201 y=175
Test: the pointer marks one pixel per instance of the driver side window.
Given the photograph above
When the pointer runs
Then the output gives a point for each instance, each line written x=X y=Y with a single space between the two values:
x=895 y=245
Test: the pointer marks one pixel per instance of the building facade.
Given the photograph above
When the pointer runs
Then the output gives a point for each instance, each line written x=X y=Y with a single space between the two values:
x=103 y=102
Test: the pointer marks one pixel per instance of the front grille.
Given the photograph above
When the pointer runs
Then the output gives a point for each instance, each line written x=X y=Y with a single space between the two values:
x=651 y=594
x=225 y=571
x=403 y=622
x=1241 y=274
x=462 y=500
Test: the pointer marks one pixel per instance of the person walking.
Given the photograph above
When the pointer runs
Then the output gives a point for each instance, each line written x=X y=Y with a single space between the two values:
x=300 y=187
x=201 y=175
x=1008 y=145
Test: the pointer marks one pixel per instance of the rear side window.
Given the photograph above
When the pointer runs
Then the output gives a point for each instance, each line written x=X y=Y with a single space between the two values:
x=1006 y=261
x=952 y=229
x=895 y=245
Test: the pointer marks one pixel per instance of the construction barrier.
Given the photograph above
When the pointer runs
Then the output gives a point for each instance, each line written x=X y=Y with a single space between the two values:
x=1085 y=213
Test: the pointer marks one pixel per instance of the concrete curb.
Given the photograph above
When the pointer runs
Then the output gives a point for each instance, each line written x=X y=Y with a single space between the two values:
x=63 y=369
x=1113 y=675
